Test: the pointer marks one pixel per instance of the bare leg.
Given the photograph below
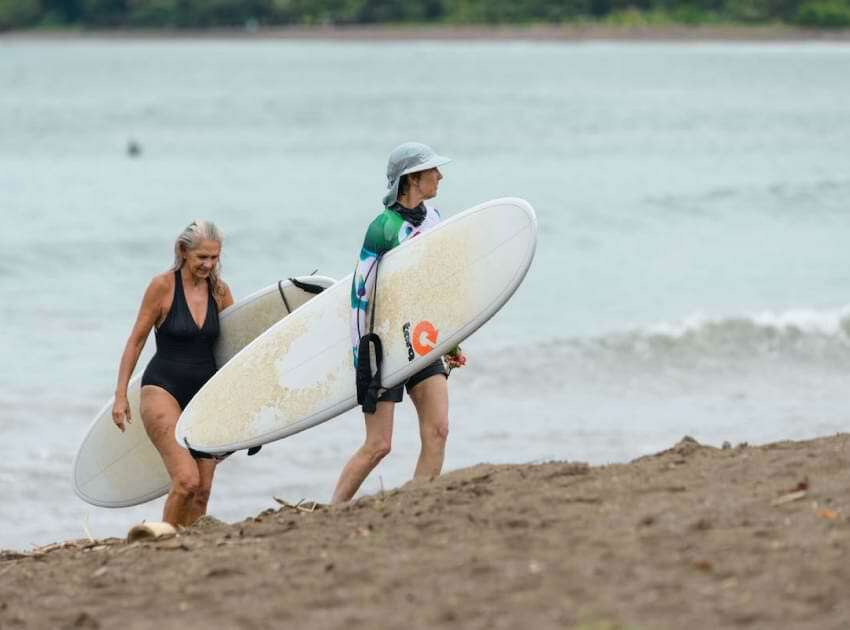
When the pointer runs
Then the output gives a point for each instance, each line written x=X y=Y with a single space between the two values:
x=431 y=398
x=206 y=469
x=159 y=414
x=379 y=434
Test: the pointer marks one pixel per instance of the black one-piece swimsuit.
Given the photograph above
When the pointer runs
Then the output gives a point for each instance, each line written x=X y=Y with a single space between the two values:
x=184 y=358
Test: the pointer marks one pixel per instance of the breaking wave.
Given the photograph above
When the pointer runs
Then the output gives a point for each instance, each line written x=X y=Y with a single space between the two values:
x=803 y=334
x=811 y=337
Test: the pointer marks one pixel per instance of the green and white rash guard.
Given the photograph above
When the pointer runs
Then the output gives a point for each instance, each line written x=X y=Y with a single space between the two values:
x=390 y=229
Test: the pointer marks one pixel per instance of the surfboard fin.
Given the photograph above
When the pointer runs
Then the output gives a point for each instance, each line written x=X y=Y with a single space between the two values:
x=309 y=287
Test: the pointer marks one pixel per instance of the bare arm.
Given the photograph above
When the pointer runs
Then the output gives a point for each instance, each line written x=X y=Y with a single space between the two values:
x=149 y=313
x=225 y=297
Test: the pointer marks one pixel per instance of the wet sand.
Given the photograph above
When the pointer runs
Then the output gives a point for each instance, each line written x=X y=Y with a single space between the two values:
x=694 y=537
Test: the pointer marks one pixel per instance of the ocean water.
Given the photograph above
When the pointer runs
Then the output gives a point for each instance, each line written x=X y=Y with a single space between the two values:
x=692 y=273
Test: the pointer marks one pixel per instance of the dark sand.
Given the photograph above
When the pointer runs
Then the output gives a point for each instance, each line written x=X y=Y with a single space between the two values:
x=695 y=537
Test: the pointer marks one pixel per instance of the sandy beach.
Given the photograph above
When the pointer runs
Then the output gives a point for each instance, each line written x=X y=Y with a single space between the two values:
x=694 y=537
x=578 y=32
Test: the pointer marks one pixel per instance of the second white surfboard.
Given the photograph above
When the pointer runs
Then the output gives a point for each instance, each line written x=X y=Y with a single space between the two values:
x=115 y=469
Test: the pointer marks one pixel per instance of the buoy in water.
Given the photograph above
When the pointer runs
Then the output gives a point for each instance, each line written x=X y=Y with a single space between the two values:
x=134 y=149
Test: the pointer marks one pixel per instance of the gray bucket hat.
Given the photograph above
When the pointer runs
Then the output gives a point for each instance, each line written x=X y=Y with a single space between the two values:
x=410 y=157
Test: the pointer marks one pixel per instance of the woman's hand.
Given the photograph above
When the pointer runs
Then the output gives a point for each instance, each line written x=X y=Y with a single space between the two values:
x=121 y=412
x=455 y=358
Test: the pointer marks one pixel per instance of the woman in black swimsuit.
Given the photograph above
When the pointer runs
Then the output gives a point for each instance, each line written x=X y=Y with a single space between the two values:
x=183 y=305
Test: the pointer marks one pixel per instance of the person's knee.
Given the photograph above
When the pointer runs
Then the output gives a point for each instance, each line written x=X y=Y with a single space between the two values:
x=433 y=432
x=378 y=448
x=436 y=433
x=442 y=430
x=186 y=484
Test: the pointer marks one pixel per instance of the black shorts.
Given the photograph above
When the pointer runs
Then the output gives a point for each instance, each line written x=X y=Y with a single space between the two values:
x=395 y=394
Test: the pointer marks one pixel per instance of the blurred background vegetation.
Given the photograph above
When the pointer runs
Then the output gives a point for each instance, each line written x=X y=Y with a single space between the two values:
x=177 y=14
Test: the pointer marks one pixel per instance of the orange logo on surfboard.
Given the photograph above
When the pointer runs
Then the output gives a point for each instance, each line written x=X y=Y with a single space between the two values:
x=424 y=337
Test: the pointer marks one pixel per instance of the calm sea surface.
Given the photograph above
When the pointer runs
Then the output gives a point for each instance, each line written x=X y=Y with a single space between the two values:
x=692 y=274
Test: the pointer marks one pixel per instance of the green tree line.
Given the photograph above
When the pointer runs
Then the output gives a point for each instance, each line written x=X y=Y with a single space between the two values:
x=21 y=14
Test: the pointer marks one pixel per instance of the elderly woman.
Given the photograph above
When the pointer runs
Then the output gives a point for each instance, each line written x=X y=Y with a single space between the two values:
x=413 y=177
x=183 y=304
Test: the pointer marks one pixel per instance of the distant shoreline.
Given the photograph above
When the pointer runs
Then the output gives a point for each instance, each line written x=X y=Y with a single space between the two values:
x=531 y=33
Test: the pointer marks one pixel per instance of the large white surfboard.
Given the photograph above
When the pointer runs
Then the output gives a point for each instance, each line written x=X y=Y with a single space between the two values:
x=115 y=469
x=433 y=291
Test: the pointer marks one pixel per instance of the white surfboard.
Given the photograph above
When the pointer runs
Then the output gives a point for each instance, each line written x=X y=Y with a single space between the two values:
x=433 y=291
x=115 y=469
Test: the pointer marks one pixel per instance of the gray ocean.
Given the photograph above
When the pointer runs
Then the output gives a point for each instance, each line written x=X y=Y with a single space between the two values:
x=692 y=273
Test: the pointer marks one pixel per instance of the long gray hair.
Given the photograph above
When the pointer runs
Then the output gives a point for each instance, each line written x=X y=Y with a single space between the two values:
x=197 y=231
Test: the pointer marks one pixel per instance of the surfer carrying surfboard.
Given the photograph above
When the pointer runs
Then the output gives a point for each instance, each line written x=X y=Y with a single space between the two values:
x=183 y=305
x=413 y=176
